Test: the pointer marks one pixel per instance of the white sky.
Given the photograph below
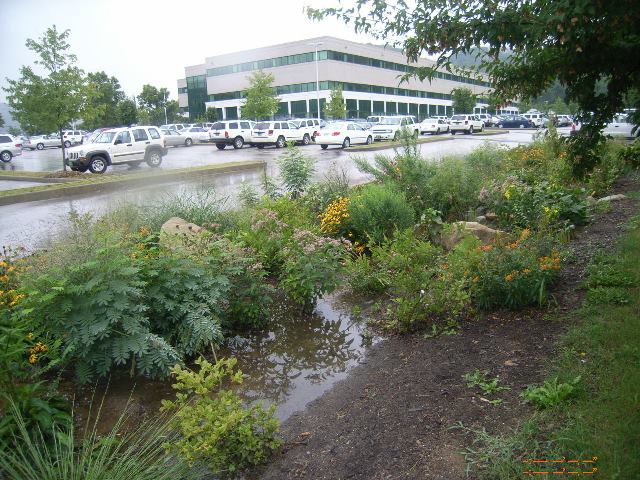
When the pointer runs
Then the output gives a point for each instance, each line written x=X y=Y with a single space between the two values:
x=146 y=41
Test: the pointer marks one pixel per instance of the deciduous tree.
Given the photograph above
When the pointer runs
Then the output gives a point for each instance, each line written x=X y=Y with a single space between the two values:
x=335 y=107
x=464 y=100
x=108 y=95
x=51 y=102
x=261 y=101
x=581 y=43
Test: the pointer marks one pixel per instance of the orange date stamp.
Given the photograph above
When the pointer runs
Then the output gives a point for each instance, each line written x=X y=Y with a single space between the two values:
x=561 y=466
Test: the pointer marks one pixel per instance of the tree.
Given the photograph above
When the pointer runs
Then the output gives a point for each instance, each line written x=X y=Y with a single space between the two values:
x=127 y=112
x=1 y=121
x=152 y=100
x=577 y=42
x=108 y=95
x=212 y=114
x=464 y=100
x=50 y=103
x=14 y=131
x=335 y=107
x=261 y=101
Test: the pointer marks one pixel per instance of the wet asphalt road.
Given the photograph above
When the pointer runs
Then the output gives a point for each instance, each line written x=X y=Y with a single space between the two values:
x=34 y=224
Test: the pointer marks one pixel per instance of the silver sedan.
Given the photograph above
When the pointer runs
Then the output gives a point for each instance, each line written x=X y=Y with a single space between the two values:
x=41 y=142
x=172 y=137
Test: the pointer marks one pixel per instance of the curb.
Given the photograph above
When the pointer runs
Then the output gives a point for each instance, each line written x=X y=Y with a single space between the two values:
x=106 y=186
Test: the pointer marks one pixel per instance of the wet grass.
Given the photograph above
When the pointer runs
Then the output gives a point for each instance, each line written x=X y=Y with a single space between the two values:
x=603 y=351
x=76 y=183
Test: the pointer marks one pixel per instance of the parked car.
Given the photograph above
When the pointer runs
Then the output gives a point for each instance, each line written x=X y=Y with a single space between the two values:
x=9 y=147
x=195 y=134
x=232 y=132
x=278 y=133
x=620 y=126
x=514 y=121
x=538 y=119
x=465 y=123
x=71 y=137
x=374 y=119
x=309 y=125
x=486 y=119
x=40 y=142
x=390 y=128
x=563 y=120
x=175 y=126
x=116 y=146
x=433 y=126
x=172 y=138
x=344 y=134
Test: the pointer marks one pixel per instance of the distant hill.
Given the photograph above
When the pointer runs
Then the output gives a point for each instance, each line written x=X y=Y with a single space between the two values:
x=8 y=119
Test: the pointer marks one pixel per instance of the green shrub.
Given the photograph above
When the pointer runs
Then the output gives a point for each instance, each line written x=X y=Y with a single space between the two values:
x=631 y=154
x=377 y=211
x=248 y=195
x=511 y=275
x=215 y=429
x=552 y=392
x=296 y=170
x=121 y=454
x=612 y=164
x=334 y=186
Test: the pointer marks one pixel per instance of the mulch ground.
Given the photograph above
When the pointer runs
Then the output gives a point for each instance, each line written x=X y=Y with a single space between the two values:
x=391 y=418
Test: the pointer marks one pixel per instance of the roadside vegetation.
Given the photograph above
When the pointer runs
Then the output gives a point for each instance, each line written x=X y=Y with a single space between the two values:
x=126 y=293
x=584 y=409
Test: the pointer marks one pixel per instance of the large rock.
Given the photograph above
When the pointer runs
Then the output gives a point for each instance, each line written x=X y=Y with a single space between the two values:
x=461 y=229
x=175 y=230
x=612 y=198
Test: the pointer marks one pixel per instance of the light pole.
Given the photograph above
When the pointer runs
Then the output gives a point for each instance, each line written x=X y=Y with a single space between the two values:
x=317 y=44
x=166 y=122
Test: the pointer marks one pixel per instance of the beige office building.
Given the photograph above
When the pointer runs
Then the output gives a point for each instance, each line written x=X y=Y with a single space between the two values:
x=368 y=75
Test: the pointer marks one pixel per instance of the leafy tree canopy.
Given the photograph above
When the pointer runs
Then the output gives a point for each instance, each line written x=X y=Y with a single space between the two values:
x=108 y=95
x=152 y=101
x=335 y=107
x=464 y=100
x=211 y=114
x=261 y=101
x=581 y=43
x=45 y=103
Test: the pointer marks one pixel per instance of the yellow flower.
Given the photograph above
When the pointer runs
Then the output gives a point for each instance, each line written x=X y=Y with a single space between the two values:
x=476 y=279
x=30 y=336
x=509 y=277
x=33 y=358
x=526 y=271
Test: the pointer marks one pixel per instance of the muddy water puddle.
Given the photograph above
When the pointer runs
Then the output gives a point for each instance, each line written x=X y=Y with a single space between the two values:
x=289 y=363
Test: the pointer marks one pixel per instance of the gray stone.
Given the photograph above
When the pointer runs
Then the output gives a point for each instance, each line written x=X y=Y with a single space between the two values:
x=612 y=198
x=460 y=229
x=481 y=219
x=175 y=230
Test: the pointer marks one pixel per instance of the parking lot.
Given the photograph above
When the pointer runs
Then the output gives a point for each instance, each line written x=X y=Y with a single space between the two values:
x=50 y=159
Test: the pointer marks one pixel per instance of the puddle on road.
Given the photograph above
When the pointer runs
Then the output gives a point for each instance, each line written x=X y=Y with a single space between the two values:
x=289 y=364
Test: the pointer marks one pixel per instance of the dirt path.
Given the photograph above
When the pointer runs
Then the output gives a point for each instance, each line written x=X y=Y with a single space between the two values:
x=390 y=418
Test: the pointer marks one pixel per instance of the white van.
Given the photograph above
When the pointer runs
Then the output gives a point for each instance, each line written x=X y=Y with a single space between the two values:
x=537 y=118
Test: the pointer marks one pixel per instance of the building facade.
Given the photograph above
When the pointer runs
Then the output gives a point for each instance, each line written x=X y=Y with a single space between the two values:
x=369 y=76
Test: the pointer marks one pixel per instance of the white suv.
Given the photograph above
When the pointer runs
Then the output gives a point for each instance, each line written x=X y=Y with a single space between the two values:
x=538 y=119
x=9 y=147
x=311 y=126
x=278 y=134
x=118 y=146
x=71 y=137
x=231 y=132
x=466 y=124
x=390 y=128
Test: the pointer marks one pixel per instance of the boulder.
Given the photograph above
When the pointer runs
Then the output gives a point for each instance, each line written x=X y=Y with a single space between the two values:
x=481 y=219
x=490 y=216
x=174 y=230
x=460 y=229
x=612 y=198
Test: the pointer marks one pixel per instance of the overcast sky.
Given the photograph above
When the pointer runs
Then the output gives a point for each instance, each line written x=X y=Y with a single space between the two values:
x=144 y=41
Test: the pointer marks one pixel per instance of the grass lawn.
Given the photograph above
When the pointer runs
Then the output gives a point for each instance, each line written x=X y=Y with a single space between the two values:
x=600 y=355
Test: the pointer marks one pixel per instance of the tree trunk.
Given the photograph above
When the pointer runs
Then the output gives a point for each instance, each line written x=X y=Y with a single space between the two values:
x=64 y=165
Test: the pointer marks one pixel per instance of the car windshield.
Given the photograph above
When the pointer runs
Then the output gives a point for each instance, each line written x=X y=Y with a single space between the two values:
x=105 y=137
x=390 y=121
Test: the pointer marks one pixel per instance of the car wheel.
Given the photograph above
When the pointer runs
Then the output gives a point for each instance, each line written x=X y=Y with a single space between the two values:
x=438 y=131
x=369 y=140
x=324 y=147
x=453 y=132
x=154 y=159
x=40 y=146
x=220 y=146
x=188 y=142
x=6 y=156
x=306 y=140
x=67 y=144
x=471 y=130
x=98 y=164
x=280 y=142
x=346 y=143
x=238 y=142
x=259 y=147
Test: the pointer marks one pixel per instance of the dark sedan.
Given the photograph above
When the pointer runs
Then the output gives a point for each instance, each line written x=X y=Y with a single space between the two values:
x=514 y=121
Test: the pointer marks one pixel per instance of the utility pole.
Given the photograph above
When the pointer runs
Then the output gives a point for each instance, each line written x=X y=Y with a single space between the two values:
x=316 y=45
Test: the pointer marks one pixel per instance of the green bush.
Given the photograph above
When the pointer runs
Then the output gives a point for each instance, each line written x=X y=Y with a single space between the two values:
x=215 y=429
x=296 y=170
x=377 y=211
x=135 y=452
x=334 y=186
x=551 y=393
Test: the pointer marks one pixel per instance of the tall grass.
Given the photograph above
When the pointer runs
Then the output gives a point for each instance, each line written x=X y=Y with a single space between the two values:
x=123 y=453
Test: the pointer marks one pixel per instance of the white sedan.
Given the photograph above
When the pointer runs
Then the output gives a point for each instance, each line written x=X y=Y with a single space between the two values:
x=344 y=134
x=433 y=126
x=195 y=134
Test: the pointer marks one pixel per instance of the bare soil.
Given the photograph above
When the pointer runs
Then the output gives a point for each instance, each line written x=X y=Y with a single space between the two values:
x=391 y=418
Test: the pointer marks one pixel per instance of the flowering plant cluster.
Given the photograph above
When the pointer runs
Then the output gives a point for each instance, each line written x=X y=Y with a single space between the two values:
x=333 y=220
